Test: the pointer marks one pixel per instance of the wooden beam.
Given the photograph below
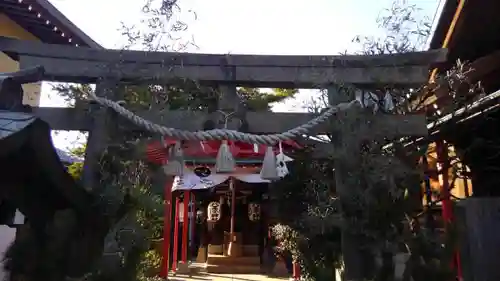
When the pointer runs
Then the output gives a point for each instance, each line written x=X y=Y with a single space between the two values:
x=11 y=92
x=484 y=66
x=37 y=49
x=259 y=122
x=79 y=71
x=390 y=126
x=480 y=68
x=27 y=75
x=72 y=64
x=65 y=119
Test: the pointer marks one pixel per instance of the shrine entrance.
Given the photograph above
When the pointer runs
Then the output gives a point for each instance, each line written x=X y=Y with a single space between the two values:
x=236 y=227
x=231 y=216
x=228 y=211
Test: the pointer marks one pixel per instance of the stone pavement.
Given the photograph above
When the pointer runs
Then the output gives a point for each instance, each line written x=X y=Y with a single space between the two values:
x=224 y=277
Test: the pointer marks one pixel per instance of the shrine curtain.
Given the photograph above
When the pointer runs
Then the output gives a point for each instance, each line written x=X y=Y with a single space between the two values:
x=191 y=181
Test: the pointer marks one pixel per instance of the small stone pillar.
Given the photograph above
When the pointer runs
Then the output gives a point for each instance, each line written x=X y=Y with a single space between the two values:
x=202 y=254
x=183 y=268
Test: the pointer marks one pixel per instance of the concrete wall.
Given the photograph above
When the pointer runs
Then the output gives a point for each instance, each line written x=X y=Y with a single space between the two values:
x=7 y=236
x=9 y=28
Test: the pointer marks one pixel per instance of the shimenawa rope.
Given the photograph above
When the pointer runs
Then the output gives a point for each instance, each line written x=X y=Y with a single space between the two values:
x=223 y=134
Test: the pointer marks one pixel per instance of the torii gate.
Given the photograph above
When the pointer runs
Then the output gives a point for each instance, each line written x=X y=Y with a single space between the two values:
x=108 y=68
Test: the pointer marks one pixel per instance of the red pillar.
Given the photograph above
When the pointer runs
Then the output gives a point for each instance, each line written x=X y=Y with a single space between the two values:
x=185 y=227
x=296 y=270
x=176 y=234
x=167 y=226
x=447 y=208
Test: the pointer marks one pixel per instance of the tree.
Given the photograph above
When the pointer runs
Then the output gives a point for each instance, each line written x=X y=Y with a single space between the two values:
x=304 y=206
x=75 y=169
x=385 y=212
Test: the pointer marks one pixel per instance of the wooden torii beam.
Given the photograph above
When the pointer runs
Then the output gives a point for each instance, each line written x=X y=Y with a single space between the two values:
x=82 y=119
x=74 y=64
x=84 y=65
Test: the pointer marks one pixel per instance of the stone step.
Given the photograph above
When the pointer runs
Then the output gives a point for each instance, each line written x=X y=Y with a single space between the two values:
x=225 y=260
x=234 y=269
x=251 y=250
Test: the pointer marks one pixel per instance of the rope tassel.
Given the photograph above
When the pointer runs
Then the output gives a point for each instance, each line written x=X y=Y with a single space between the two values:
x=269 y=170
x=281 y=160
x=175 y=164
x=225 y=161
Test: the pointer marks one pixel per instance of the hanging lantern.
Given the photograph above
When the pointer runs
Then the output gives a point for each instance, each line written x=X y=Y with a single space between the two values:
x=254 y=212
x=213 y=212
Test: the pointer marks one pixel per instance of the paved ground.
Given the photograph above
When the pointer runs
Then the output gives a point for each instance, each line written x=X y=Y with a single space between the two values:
x=224 y=277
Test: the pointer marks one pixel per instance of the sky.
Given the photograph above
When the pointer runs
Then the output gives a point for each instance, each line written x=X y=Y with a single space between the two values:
x=281 y=27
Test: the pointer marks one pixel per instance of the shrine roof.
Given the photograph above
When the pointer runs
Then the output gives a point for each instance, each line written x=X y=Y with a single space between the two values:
x=14 y=122
x=468 y=29
x=28 y=157
x=46 y=22
x=473 y=33
x=205 y=152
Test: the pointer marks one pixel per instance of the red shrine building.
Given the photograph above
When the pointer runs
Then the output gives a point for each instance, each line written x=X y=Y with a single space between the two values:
x=219 y=219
